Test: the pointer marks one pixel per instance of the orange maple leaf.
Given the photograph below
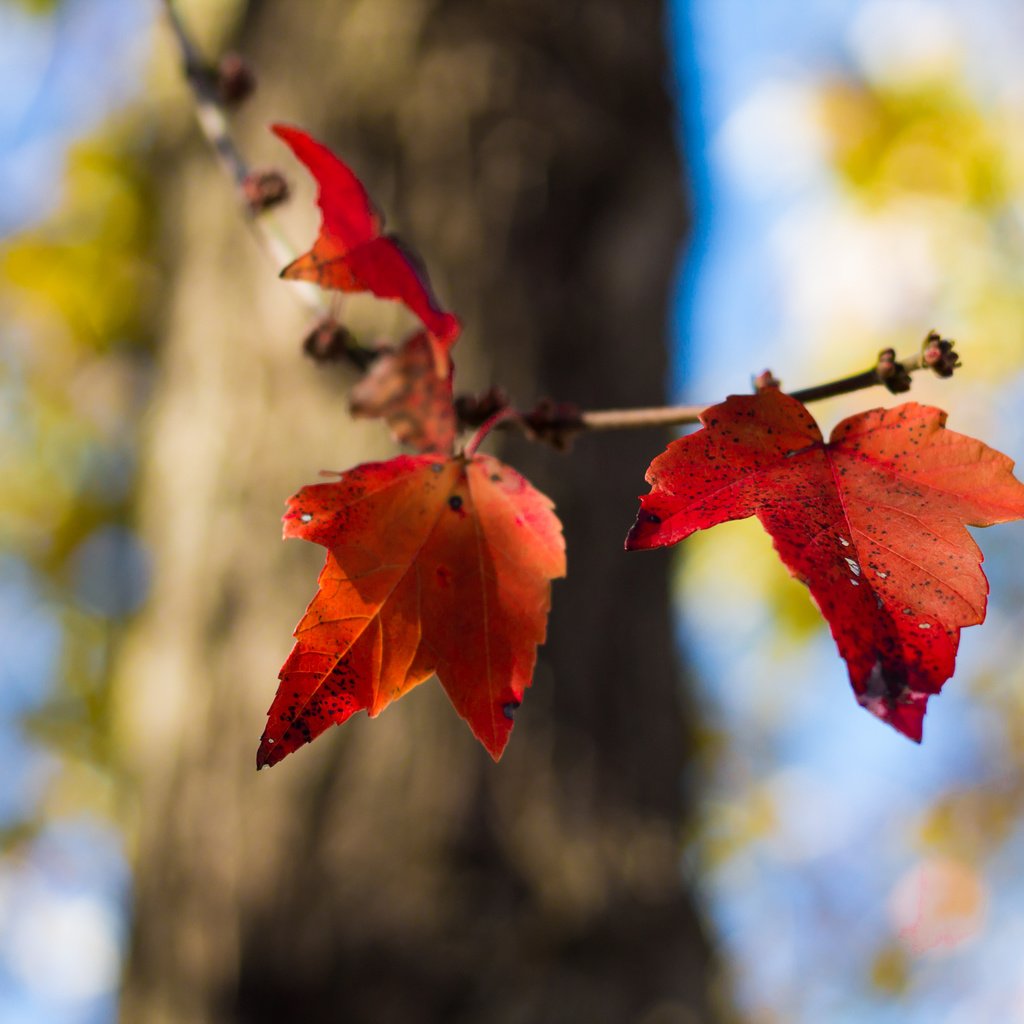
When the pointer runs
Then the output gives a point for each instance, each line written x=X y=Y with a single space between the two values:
x=434 y=565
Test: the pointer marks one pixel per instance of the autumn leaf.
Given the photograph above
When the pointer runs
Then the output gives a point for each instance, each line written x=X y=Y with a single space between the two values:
x=434 y=565
x=872 y=522
x=403 y=388
x=352 y=255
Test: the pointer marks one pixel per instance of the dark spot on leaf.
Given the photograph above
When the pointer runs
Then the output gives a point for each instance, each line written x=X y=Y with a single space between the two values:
x=455 y=503
x=509 y=709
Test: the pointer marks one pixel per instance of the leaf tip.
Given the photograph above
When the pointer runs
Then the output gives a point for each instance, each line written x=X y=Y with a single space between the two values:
x=265 y=755
x=274 y=750
x=905 y=714
x=293 y=520
x=449 y=328
x=298 y=269
x=283 y=131
x=497 y=747
x=495 y=733
x=643 y=533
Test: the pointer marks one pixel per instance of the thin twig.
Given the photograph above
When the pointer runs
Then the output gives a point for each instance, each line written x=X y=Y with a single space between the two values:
x=209 y=111
x=625 y=419
x=213 y=122
x=887 y=370
x=681 y=415
x=937 y=355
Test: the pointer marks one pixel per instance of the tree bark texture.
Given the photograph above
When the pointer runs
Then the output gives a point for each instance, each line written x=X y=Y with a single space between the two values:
x=391 y=872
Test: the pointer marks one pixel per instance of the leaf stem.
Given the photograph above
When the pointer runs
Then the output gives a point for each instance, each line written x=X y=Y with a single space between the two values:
x=501 y=416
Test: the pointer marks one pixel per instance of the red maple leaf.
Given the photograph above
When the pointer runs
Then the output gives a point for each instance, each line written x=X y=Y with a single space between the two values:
x=403 y=388
x=434 y=565
x=873 y=522
x=352 y=255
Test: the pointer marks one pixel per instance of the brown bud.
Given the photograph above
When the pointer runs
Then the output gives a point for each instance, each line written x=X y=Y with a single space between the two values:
x=264 y=189
x=329 y=342
x=475 y=410
x=234 y=80
x=892 y=373
x=556 y=423
x=939 y=354
x=765 y=380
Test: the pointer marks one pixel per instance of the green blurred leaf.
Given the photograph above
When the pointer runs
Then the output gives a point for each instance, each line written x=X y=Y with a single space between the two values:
x=40 y=7
x=890 y=969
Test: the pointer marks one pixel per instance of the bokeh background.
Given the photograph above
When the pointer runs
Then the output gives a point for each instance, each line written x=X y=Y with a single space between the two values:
x=856 y=173
x=859 y=181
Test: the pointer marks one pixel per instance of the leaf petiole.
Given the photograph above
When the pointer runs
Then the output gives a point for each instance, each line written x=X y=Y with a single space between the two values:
x=486 y=427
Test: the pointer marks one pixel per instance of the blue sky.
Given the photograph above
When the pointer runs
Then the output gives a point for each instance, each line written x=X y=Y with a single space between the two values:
x=61 y=76
x=724 y=51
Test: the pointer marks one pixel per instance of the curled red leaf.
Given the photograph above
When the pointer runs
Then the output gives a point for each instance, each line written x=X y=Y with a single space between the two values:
x=351 y=254
x=403 y=388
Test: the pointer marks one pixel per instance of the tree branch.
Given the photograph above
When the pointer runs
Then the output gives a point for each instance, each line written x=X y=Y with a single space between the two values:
x=554 y=422
x=256 y=190
x=557 y=423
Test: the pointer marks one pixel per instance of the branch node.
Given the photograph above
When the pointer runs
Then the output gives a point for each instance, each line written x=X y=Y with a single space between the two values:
x=891 y=373
x=555 y=423
x=235 y=80
x=330 y=342
x=939 y=355
x=263 y=190
x=765 y=380
x=198 y=73
x=475 y=410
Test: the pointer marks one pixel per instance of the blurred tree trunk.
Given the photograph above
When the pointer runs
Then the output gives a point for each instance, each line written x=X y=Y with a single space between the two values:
x=391 y=872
